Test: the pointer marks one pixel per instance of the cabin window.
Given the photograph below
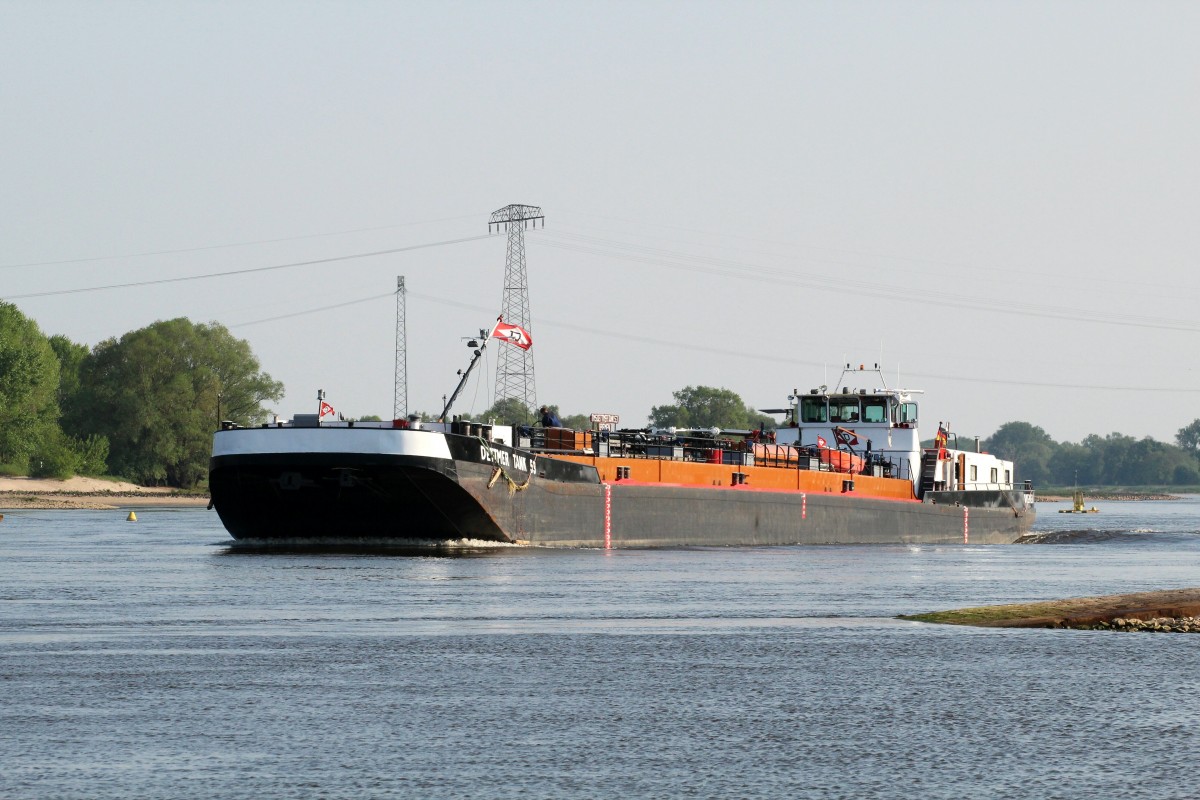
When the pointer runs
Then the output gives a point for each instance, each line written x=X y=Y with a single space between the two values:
x=874 y=409
x=812 y=409
x=1007 y=477
x=908 y=413
x=843 y=409
x=995 y=475
x=974 y=473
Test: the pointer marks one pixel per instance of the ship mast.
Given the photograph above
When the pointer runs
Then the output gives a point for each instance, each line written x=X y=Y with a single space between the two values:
x=480 y=347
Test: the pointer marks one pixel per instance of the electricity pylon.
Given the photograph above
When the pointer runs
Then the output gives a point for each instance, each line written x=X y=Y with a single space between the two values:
x=514 y=367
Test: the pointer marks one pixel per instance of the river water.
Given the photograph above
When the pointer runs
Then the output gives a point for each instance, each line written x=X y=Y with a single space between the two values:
x=150 y=660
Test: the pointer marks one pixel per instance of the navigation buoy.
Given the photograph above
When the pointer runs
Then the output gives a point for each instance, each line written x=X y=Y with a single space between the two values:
x=132 y=517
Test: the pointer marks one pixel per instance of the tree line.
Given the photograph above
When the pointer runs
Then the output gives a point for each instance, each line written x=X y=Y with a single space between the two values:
x=694 y=407
x=144 y=406
x=1110 y=460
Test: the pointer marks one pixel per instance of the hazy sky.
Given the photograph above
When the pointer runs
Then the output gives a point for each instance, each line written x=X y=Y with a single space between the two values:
x=997 y=200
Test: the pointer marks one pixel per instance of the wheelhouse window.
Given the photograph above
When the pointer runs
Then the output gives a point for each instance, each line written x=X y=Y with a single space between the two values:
x=844 y=409
x=995 y=474
x=974 y=473
x=813 y=409
x=908 y=413
x=874 y=409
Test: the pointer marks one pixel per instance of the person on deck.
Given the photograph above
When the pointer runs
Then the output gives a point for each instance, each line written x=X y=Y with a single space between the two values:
x=550 y=419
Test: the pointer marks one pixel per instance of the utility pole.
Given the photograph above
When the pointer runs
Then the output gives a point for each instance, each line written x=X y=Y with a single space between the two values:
x=514 y=367
x=400 y=393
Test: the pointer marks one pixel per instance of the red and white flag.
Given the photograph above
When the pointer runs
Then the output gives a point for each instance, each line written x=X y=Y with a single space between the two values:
x=821 y=442
x=326 y=410
x=845 y=436
x=513 y=334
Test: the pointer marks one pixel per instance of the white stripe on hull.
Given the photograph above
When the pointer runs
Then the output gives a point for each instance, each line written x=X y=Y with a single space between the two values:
x=366 y=441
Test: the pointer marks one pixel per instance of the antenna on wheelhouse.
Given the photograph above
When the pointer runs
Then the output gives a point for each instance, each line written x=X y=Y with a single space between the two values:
x=514 y=366
x=882 y=377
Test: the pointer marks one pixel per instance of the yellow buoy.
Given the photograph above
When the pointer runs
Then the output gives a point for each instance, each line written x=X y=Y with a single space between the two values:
x=132 y=517
x=1077 y=506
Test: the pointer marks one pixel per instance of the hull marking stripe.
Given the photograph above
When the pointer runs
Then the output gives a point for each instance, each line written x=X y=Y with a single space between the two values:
x=966 y=525
x=608 y=516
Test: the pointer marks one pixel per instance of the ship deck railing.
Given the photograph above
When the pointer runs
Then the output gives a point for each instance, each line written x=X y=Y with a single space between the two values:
x=731 y=448
x=985 y=486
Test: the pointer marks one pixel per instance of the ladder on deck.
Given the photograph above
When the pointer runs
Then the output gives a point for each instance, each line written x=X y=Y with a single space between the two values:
x=929 y=462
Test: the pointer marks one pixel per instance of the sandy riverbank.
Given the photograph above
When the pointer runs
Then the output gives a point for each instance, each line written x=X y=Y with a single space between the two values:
x=1079 y=612
x=81 y=492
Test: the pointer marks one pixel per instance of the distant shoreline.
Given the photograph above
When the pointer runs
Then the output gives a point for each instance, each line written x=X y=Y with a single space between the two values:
x=1101 y=497
x=90 y=493
x=19 y=501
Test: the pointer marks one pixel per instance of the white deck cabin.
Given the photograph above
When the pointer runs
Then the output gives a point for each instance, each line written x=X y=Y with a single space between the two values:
x=887 y=422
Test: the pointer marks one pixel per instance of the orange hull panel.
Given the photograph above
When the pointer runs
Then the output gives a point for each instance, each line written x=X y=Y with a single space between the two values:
x=695 y=473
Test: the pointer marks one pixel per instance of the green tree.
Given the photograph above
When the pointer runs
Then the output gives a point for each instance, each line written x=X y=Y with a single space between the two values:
x=53 y=457
x=1027 y=446
x=1186 y=475
x=758 y=419
x=1119 y=460
x=91 y=453
x=1113 y=451
x=510 y=411
x=1147 y=464
x=1073 y=464
x=579 y=422
x=1126 y=461
x=70 y=451
x=1188 y=437
x=154 y=394
x=28 y=387
x=707 y=407
x=1097 y=454
x=70 y=359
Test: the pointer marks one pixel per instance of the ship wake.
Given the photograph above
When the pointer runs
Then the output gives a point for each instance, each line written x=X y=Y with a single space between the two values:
x=370 y=546
x=1094 y=536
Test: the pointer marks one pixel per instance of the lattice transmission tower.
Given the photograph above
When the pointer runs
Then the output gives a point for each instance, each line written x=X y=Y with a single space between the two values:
x=400 y=394
x=514 y=367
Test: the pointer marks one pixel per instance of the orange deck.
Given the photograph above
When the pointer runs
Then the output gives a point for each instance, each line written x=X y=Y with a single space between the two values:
x=696 y=473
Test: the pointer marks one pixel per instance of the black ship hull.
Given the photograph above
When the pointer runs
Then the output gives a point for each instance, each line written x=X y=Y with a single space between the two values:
x=364 y=484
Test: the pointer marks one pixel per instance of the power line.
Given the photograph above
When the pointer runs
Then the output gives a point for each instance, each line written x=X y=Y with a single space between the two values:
x=957 y=265
x=777 y=358
x=694 y=263
x=204 y=276
x=202 y=248
x=741 y=354
x=317 y=310
x=731 y=268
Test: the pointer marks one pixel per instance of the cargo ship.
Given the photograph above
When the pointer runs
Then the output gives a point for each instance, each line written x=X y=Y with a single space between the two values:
x=845 y=466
